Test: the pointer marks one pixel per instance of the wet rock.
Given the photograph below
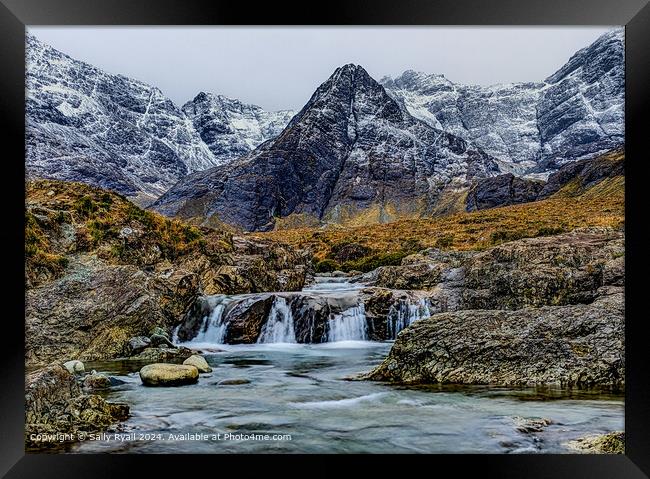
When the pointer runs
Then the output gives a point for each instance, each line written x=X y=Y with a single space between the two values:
x=575 y=345
x=54 y=404
x=161 y=374
x=159 y=332
x=232 y=382
x=246 y=319
x=163 y=354
x=96 y=381
x=74 y=366
x=531 y=425
x=138 y=344
x=611 y=443
x=158 y=340
x=199 y=362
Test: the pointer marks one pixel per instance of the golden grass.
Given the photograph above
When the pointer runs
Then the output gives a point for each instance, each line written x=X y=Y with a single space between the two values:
x=601 y=205
x=106 y=223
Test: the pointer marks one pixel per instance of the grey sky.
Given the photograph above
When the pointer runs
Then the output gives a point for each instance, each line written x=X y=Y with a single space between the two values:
x=280 y=67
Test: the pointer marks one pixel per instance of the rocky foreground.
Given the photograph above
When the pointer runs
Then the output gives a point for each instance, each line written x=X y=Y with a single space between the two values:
x=534 y=311
x=59 y=410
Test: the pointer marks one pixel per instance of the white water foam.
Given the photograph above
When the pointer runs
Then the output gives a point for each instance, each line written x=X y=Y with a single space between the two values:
x=350 y=325
x=279 y=325
x=339 y=403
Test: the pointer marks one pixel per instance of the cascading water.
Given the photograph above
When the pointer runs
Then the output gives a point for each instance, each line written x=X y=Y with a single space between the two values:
x=350 y=325
x=407 y=312
x=213 y=329
x=279 y=325
x=330 y=310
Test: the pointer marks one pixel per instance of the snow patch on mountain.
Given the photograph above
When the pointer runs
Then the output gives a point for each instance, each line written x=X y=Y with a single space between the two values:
x=530 y=127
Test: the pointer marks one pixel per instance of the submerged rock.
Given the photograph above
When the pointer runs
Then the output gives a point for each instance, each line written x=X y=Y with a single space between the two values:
x=579 y=345
x=161 y=374
x=199 y=362
x=232 y=382
x=54 y=404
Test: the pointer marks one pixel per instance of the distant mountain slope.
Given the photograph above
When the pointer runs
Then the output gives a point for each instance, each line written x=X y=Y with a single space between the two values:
x=231 y=128
x=350 y=152
x=107 y=130
x=84 y=124
x=531 y=127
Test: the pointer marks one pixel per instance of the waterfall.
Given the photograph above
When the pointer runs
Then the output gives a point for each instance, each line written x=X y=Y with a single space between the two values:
x=349 y=325
x=405 y=314
x=279 y=325
x=213 y=329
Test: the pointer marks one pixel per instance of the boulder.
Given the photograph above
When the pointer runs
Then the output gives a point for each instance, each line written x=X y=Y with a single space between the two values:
x=163 y=354
x=74 y=366
x=162 y=374
x=137 y=344
x=158 y=340
x=160 y=332
x=54 y=403
x=96 y=381
x=199 y=363
x=580 y=345
x=611 y=443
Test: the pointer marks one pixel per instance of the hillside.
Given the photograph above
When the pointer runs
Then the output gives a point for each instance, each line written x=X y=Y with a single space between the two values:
x=99 y=270
x=363 y=248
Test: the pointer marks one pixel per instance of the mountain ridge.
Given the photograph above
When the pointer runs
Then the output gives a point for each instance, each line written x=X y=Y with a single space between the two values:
x=109 y=130
x=530 y=127
x=350 y=150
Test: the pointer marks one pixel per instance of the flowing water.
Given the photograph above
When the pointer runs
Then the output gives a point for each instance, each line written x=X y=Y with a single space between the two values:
x=289 y=397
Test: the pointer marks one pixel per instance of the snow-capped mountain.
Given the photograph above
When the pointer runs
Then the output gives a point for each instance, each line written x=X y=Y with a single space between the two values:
x=84 y=124
x=351 y=152
x=231 y=128
x=530 y=127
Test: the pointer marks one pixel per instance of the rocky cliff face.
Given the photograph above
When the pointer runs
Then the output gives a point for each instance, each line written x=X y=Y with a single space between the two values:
x=531 y=127
x=231 y=128
x=351 y=151
x=573 y=178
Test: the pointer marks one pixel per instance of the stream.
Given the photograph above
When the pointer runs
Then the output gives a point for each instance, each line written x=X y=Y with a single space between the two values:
x=287 y=396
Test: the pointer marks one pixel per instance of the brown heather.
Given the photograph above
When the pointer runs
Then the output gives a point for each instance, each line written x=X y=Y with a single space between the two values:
x=569 y=208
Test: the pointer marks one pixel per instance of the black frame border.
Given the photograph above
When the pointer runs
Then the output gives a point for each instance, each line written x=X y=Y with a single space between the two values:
x=16 y=14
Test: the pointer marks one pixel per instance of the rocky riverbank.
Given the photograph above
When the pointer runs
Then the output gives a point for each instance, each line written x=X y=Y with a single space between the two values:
x=57 y=410
x=534 y=311
x=100 y=271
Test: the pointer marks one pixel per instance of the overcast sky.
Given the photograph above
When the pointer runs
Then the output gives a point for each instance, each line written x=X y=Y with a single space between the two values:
x=280 y=67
